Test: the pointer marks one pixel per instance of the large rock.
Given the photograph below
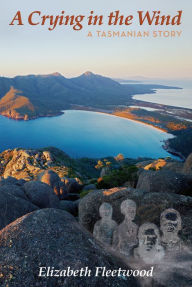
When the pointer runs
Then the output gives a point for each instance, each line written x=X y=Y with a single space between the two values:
x=165 y=164
x=13 y=207
x=165 y=181
x=175 y=166
x=149 y=207
x=53 y=238
x=51 y=178
x=72 y=185
x=69 y=206
x=7 y=181
x=156 y=165
x=13 y=190
x=41 y=194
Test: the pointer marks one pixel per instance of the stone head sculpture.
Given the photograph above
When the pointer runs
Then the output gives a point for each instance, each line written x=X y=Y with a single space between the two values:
x=148 y=235
x=125 y=235
x=106 y=210
x=104 y=228
x=149 y=249
x=170 y=221
x=128 y=208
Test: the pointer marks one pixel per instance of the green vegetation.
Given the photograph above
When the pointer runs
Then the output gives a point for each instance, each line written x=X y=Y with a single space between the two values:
x=85 y=192
x=158 y=119
x=105 y=163
x=182 y=142
x=118 y=177
x=182 y=129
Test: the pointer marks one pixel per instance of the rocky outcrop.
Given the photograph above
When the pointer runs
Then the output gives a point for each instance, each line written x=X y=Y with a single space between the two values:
x=156 y=165
x=165 y=164
x=52 y=237
x=168 y=164
x=165 y=181
x=52 y=179
x=49 y=158
x=73 y=185
x=27 y=164
x=63 y=187
x=23 y=164
x=41 y=194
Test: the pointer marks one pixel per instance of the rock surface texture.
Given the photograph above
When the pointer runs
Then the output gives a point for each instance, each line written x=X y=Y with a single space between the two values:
x=52 y=237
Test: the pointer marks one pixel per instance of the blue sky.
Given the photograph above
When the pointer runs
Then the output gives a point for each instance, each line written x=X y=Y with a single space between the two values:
x=35 y=50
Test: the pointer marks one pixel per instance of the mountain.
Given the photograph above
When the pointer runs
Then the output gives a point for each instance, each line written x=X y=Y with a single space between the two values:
x=13 y=104
x=90 y=81
x=32 y=96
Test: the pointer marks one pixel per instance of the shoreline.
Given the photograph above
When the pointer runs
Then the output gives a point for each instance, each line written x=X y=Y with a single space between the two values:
x=147 y=124
x=24 y=118
x=165 y=146
x=171 y=151
x=111 y=113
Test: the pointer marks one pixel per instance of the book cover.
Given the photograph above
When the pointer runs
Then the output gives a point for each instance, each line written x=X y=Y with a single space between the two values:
x=95 y=143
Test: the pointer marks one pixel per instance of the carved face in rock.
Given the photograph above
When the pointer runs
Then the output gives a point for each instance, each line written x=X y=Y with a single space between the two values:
x=105 y=210
x=170 y=221
x=128 y=208
x=148 y=236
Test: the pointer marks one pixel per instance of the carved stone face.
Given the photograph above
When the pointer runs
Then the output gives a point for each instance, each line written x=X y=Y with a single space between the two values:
x=105 y=210
x=128 y=208
x=170 y=221
x=150 y=238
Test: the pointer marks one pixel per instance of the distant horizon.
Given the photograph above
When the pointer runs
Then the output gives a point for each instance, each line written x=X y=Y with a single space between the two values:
x=131 y=77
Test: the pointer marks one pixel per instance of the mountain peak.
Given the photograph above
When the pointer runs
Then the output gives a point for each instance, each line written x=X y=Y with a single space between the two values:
x=56 y=74
x=88 y=73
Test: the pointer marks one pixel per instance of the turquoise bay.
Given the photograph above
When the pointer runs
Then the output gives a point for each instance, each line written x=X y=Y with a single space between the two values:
x=85 y=134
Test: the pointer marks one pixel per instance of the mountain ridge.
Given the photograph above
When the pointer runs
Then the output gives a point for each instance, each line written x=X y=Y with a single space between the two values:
x=49 y=95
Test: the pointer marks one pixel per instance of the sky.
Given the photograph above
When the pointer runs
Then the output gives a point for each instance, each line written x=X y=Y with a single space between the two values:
x=36 y=50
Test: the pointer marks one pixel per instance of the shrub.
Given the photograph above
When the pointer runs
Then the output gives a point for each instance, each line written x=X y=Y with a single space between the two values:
x=118 y=177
